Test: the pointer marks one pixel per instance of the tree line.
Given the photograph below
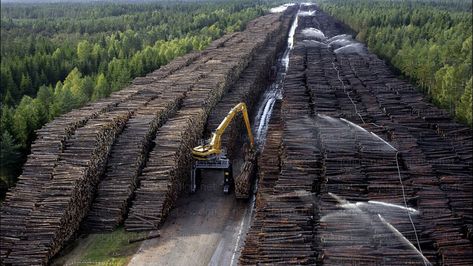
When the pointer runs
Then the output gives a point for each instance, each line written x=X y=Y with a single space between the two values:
x=429 y=41
x=57 y=57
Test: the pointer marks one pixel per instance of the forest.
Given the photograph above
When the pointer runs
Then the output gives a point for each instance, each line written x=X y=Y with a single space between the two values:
x=60 y=56
x=428 y=41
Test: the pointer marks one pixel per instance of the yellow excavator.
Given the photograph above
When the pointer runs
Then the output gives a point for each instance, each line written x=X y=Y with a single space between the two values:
x=211 y=155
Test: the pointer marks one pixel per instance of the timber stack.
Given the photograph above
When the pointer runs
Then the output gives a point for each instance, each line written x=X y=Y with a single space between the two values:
x=169 y=162
x=375 y=170
x=50 y=142
x=248 y=89
x=109 y=153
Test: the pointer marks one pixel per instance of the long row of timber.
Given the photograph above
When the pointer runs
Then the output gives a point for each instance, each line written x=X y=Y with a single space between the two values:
x=358 y=168
x=169 y=161
x=132 y=149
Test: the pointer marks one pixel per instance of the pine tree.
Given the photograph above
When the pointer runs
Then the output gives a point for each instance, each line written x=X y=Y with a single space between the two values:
x=25 y=121
x=10 y=159
x=6 y=120
x=464 y=108
x=25 y=85
x=102 y=89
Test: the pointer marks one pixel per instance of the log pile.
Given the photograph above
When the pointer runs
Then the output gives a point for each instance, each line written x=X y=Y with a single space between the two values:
x=50 y=142
x=65 y=198
x=37 y=170
x=431 y=157
x=162 y=177
x=269 y=167
x=282 y=231
x=173 y=66
x=126 y=160
x=395 y=105
x=245 y=177
x=329 y=190
x=269 y=162
x=360 y=212
x=247 y=89
x=168 y=165
x=72 y=152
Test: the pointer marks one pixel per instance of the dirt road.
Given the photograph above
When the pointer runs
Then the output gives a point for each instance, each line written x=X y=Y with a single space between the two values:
x=205 y=228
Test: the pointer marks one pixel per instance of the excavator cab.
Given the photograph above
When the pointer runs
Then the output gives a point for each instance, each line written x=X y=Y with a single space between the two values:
x=203 y=152
x=211 y=155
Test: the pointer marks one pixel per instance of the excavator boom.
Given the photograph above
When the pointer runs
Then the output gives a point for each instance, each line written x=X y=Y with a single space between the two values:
x=214 y=147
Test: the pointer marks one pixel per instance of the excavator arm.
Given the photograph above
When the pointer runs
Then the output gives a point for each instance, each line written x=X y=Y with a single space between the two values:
x=213 y=148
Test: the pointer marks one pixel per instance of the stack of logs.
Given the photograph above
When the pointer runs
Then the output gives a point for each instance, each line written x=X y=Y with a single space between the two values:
x=247 y=89
x=160 y=181
x=37 y=171
x=282 y=231
x=50 y=142
x=66 y=196
x=358 y=204
x=71 y=154
x=168 y=165
x=126 y=160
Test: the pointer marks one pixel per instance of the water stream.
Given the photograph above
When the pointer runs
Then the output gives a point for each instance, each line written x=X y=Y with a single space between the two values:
x=260 y=126
x=274 y=90
x=373 y=218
